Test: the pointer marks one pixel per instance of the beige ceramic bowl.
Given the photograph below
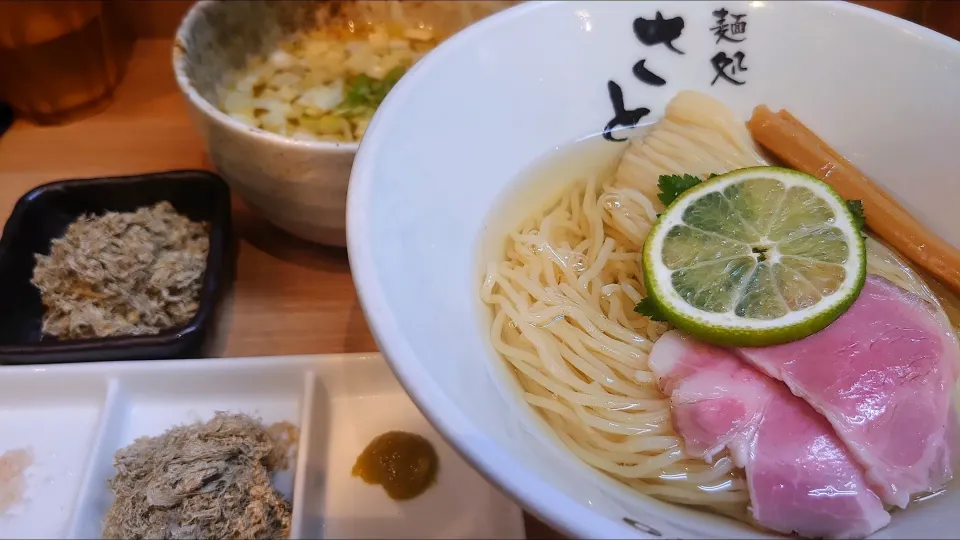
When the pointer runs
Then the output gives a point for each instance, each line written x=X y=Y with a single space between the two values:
x=301 y=187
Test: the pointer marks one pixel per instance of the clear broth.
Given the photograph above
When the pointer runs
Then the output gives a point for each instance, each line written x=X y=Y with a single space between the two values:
x=541 y=185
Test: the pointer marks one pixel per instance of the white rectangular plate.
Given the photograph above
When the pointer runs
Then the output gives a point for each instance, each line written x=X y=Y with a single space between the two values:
x=74 y=417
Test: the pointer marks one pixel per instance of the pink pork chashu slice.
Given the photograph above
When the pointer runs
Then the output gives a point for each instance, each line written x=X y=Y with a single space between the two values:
x=801 y=478
x=882 y=374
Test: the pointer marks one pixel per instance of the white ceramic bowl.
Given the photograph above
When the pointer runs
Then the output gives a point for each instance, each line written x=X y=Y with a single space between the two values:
x=455 y=134
x=299 y=186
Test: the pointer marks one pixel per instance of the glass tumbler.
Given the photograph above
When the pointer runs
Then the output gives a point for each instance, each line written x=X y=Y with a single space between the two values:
x=60 y=59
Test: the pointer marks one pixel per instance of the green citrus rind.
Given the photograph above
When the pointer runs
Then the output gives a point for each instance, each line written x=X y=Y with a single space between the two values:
x=725 y=329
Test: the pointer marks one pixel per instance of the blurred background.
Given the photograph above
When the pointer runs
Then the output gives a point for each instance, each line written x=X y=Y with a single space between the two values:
x=160 y=18
x=62 y=59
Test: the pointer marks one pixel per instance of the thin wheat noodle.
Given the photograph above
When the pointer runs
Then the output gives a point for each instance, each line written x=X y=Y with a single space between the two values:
x=562 y=298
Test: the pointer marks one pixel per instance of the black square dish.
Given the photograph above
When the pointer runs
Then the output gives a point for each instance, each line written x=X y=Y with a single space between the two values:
x=44 y=213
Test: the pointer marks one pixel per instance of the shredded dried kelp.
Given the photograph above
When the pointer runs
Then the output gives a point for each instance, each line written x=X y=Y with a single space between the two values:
x=122 y=273
x=205 y=481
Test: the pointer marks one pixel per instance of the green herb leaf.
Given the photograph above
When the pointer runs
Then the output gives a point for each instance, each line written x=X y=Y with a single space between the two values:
x=362 y=92
x=387 y=83
x=856 y=208
x=712 y=175
x=356 y=92
x=671 y=186
x=649 y=308
x=393 y=77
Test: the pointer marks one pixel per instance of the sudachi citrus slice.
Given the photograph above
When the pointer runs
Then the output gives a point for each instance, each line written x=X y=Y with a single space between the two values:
x=755 y=257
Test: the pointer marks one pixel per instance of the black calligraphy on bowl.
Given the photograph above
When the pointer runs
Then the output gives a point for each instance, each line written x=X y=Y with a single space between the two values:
x=622 y=118
x=727 y=65
x=659 y=30
x=650 y=32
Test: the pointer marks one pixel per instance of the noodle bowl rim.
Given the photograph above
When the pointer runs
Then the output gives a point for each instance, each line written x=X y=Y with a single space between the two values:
x=491 y=461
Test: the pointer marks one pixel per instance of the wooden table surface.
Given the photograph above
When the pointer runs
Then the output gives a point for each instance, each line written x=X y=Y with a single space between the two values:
x=290 y=296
